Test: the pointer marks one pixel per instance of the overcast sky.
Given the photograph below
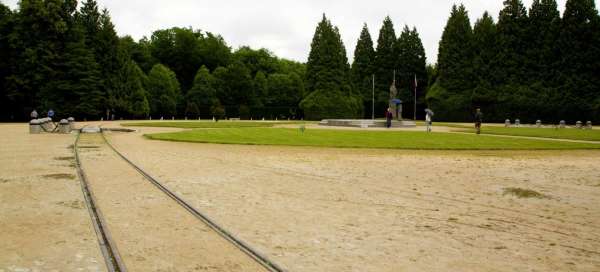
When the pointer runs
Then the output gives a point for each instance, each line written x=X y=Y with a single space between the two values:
x=286 y=27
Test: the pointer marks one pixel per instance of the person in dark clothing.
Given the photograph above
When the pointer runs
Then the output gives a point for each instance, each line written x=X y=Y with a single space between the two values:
x=478 y=120
x=388 y=117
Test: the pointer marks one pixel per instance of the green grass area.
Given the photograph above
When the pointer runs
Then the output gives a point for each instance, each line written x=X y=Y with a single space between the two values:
x=207 y=124
x=364 y=139
x=565 y=133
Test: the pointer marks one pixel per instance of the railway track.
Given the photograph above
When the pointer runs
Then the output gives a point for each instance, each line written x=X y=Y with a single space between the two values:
x=113 y=259
x=108 y=247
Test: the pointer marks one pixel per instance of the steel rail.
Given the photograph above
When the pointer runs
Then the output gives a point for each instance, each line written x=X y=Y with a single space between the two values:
x=237 y=242
x=112 y=258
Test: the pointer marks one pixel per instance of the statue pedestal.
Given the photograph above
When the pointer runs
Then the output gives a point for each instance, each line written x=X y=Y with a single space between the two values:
x=366 y=123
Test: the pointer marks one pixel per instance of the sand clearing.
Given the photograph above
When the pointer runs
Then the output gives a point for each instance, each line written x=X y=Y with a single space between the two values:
x=320 y=209
x=309 y=209
x=44 y=223
x=151 y=231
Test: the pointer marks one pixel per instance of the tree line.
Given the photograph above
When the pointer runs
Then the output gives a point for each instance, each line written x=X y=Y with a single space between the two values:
x=530 y=64
x=339 y=90
x=55 y=55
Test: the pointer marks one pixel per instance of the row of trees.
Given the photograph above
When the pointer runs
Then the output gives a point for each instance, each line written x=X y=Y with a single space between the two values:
x=338 y=90
x=54 y=55
x=528 y=65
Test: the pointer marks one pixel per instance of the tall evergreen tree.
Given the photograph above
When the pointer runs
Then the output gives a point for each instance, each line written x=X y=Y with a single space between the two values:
x=110 y=58
x=328 y=77
x=362 y=67
x=40 y=29
x=385 y=64
x=78 y=84
x=6 y=60
x=450 y=95
x=512 y=43
x=579 y=45
x=410 y=64
x=455 y=52
x=544 y=27
x=485 y=51
x=90 y=20
x=163 y=91
x=128 y=97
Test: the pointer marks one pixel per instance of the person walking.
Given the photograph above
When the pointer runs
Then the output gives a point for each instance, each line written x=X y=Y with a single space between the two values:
x=428 y=119
x=478 y=120
x=34 y=114
x=388 y=118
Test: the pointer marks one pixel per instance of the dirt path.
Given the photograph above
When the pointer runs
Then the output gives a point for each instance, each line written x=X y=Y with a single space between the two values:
x=44 y=223
x=152 y=232
x=320 y=209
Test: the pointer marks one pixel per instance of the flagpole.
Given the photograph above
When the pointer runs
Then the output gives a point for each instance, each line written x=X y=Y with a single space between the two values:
x=415 y=97
x=373 y=100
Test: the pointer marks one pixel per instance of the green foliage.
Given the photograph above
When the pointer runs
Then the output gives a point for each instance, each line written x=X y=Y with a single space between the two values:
x=363 y=65
x=455 y=55
x=203 y=93
x=328 y=77
x=128 y=99
x=163 y=91
x=364 y=139
x=217 y=110
x=328 y=104
x=411 y=64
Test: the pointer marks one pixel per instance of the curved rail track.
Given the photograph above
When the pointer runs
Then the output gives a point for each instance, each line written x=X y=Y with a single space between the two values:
x=107 y=245
x=113 y=260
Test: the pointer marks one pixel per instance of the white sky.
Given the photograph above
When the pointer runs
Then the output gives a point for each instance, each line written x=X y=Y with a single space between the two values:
x=286 y=27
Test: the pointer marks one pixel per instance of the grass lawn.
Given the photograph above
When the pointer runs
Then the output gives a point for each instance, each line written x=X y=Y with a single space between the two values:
x=363 y=139
x=565 y=133
x=207 y=124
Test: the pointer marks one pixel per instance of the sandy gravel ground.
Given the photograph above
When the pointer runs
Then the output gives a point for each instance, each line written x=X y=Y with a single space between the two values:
x=44 y=223
x=152 y=232
x=319 y=209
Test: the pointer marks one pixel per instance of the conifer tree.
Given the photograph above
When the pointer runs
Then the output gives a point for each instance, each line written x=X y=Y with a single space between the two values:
x=512 y=43
x=410 y=64
x=450 y=95
x=385 y=64
x=328 y=77
x=163 y=91
x=484 y=48
x=579 y=44
x=6 y=60
x=362 y=67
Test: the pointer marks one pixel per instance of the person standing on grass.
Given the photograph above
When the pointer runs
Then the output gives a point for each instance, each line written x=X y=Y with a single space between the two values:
x=478 y=120
x=388 y=118
x=428 y=119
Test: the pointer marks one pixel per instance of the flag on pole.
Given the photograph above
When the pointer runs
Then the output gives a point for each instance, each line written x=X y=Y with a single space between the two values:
x=415 y=107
